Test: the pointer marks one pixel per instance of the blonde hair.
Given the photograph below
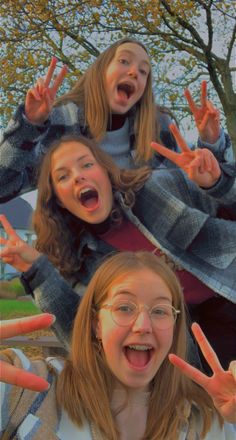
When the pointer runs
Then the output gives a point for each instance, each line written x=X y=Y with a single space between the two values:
x=85 y=385
x=58 y=231
x=89 y=92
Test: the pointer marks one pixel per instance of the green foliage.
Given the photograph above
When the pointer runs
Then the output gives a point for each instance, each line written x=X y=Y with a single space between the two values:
x=13 y=286
x=187 y=40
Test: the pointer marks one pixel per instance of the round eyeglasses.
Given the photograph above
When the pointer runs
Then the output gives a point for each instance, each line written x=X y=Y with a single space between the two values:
x=124 y=313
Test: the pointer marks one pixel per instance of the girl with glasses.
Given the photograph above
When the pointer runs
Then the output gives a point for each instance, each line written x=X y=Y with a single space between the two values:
x=120 y=380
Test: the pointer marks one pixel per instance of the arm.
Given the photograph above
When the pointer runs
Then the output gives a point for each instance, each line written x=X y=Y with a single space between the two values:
x=40 y=278
x=21 y=145
x=202 y=168
x=221 y=386
x=53 y=294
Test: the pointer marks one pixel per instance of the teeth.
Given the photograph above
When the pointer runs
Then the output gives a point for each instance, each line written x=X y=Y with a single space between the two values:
x=140 y=347
x=84 y=190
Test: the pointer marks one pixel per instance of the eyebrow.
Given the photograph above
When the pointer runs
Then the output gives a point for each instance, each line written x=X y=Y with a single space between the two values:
x=77 y=160
x=132 y=53
x=127 y=292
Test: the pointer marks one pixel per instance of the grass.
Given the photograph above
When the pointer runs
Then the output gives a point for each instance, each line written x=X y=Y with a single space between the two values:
x=12 y=308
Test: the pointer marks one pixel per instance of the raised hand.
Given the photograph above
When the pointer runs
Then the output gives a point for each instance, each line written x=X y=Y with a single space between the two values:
x=40 y=99
x=200 y=165
x=221 y=386
x=16 y=251
x=14 y=327
x=207 y=117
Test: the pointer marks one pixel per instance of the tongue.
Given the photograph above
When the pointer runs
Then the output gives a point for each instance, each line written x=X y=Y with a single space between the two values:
x=122 y=95
x=136 y=357
x=90 y=202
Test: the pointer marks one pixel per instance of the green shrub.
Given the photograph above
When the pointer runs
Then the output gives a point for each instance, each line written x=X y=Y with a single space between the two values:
x=13 y=286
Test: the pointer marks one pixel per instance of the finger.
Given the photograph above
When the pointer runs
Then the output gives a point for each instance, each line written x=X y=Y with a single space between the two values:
x=202 y=125
x=206 y=158
x=11 y=249
x=212 y=110
x=189 y=371
x=50 y=72
x=34 y=94
x=178 y=137
x=204 y=93
x=232 y=368
x=3 y=241
x=7 y=260
x=199 y=161
x=215 y=168
x=16 y=376
x=191 y=102
x=169 y=154
x=7 y=226
x=48 y=100
x=40 y=86
x=206 y=349
x=59 y=79
x=194 y=169
x=14 y=327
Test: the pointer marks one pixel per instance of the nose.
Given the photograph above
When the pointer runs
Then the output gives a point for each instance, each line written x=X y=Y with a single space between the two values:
x=142 y=323
x=78 y=177
x=133 y=71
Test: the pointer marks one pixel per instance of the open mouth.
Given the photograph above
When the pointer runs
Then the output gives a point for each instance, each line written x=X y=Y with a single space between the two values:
x=88 y=198
x=126 y=90
x=138 y=355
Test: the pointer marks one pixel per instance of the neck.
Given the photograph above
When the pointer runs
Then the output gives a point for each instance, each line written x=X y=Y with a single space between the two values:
x=100 y=228
x=116 y=121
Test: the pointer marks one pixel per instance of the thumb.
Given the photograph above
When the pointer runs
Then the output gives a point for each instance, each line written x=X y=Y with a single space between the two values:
x=232 y=368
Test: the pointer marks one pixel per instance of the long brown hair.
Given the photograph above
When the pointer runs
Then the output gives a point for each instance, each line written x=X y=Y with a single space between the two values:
x=86 y=384
x=90 y=93
x=58 y=231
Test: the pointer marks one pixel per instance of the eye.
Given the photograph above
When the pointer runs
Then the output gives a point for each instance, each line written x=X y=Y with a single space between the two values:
x=160 y=311
x=88 y=165
x=124 y=307
x=143 y=72
x=62 y=177
x=123 y=61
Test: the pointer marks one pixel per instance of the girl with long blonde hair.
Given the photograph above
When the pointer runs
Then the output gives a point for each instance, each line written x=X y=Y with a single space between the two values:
x=120 y=381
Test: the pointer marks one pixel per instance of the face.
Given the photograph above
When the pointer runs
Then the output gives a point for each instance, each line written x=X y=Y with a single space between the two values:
x=126 y=77
x=134 y=353
x=81 y=185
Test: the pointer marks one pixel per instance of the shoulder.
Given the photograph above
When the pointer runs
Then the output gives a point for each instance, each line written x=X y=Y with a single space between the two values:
x=225 y=432
x=40 y=366
x=67 y=113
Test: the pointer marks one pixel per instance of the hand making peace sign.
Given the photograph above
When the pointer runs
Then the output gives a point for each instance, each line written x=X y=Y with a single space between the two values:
x=221 y=386
x=16 y=251
x=207 y=117
x=14 y=327
x=40 y=99
x=200 y=165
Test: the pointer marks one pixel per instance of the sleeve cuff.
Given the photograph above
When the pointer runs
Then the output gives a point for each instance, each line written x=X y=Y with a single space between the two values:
x=40 y=270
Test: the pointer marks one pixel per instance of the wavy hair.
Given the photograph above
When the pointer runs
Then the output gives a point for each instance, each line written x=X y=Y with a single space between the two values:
x=85 y=386
x=90 y=93
x=58 y=231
